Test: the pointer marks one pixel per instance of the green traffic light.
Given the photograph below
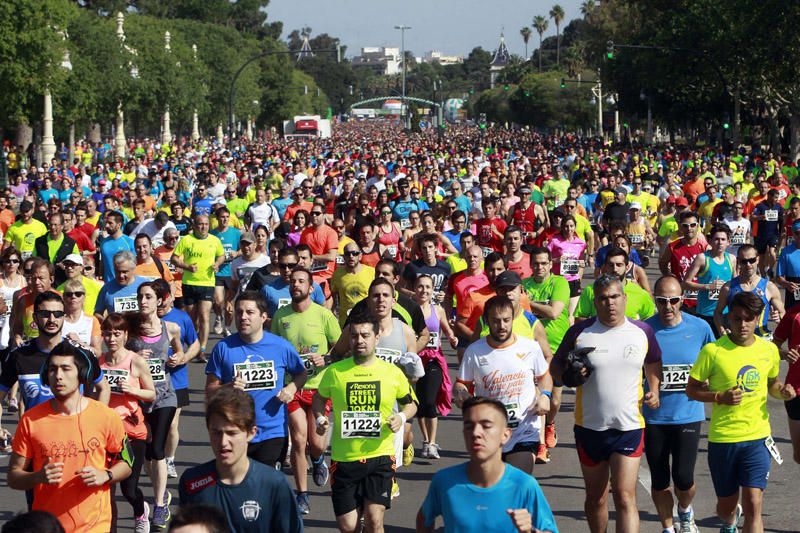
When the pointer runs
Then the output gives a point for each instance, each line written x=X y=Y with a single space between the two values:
x=505 y=88
x=610 y=55
x=483 y=126
x=527 y=93
x=726 y=125
x=563 y=83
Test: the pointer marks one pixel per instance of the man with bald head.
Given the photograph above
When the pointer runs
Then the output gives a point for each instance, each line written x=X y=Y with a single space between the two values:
x=673 y=430
x=460 y=285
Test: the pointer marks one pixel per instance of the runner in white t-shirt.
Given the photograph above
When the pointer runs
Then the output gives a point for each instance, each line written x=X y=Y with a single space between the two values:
x=508 y=368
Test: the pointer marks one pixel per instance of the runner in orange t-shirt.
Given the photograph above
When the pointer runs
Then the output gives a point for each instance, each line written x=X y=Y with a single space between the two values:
x=324 y=243
x=70 y=449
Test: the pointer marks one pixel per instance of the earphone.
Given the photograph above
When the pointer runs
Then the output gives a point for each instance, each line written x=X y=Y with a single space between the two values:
x=77 y=351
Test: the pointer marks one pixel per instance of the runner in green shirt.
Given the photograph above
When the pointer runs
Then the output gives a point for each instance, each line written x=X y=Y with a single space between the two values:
x=639 y=306
x=313 y=330
x=363 y=390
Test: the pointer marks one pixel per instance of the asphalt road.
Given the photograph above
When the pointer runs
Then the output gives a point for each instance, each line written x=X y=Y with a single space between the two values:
x=560 y=479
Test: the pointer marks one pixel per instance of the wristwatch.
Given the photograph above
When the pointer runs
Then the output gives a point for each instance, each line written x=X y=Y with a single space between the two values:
x=110 y=476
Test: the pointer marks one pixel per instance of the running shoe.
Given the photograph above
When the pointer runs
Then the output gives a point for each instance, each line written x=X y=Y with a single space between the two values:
x=425 y=454
x=218 y=325
x=161 y=516
x=433 y=451
x=687 y=522
x=13 y=405
x=171 y=472
x=408 y=455
x=550 y=436
x=733 y=528
x=227 y=332
x=395 y=489
x=542 y=456
x=303 y=505
x=320 y=471
x=142 y=523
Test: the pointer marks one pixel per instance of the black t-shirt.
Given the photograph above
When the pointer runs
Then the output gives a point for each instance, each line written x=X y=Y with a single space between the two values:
x=616 y=212
x=440 y=273
x=261 y=278
x=183 y=225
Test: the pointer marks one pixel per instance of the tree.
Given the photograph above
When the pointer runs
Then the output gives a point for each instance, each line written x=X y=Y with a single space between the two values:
x=540 y=25
x=526 y=36
x=557 y=14
x=587 y=8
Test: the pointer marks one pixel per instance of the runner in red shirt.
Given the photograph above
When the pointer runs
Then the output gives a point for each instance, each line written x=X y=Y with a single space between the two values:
x=490 y=228
x=518 y=261
x=679 y=255
x=324 y=243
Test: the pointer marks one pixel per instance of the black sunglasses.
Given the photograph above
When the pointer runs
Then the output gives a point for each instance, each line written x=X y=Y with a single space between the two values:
x=45 y=313
x=751 y=261
x=287 y=265
x=352 y=253
x=73 y=294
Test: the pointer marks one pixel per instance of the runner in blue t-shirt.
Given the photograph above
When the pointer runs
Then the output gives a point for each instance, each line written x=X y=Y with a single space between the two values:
x=116 y=241
x=258 y=362
x=277 y=292
x=673 y=430
x=119 y=294
x=485 y=494
x=223 y=289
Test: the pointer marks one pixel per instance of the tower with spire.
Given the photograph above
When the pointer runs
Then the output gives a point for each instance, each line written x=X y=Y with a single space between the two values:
x=499 y=61
x=305 y=49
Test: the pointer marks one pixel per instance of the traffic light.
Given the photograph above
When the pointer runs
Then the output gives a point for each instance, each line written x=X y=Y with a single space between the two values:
x=563 y=83
x=527 y=93
x=505 y=87
x=610 y=50
x=725 y=125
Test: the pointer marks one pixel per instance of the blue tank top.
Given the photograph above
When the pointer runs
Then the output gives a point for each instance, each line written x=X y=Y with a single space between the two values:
x=707 y=300
x=761 y=292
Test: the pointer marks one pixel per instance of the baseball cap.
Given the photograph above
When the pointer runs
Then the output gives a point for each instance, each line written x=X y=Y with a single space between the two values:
x=636 y=205
x=509 y=278
x=247 y=236
x=621 y=190
x=101 y=182
x=682 y=202
x=525 y=189
x=74 y=258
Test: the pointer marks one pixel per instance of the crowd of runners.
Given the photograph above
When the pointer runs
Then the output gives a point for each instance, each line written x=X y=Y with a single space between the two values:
x=354 y=272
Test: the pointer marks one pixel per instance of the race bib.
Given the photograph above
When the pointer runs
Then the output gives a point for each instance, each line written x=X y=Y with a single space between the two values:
x=690 y=295
x=771 y=215
x=737 y=238
x=309 y=365
x=318 y=266
x=172 y=268
x=434 y=340
x=115 y=378
x=339 y=260
x=486 y=251
x=283 y=302
x=675 y=377
x=387 y=354
x=259 y=375
x=713 y=295
x=126 y=304
x=769 y=442
x=26 y=255
x=636 y=238
x=513 y=415
x=392 y=250
x=405 y=223
x=796 y=295
x=569 y=266
x=360 y=424
x=156 y=370
x=228 y=252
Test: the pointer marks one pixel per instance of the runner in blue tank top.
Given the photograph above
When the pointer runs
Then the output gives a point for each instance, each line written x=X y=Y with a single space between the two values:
x=748 y=280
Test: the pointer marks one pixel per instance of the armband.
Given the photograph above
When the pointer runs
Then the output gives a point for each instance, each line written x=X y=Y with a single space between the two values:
x=548 y=394
x=123 y=455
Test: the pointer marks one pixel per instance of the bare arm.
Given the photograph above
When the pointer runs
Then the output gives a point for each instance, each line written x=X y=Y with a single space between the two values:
x=342 y=346
x=330 y=256
x=421 y=341
x=146 y=390
x=663 y=261
x=421 y=527
x=540 y=336
x=687 y=283
x=721 y=304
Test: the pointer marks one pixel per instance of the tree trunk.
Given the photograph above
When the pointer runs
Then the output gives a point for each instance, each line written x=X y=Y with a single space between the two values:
x=24 y=135
x=71 y=142
x=95 y=135
x=540 y=53
x=794 y=121
x=774 y=131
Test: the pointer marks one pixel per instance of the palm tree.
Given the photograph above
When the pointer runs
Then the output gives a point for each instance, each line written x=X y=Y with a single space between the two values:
x=587 y=7
x=526 y=36
x=557 y=14
x=540 y=25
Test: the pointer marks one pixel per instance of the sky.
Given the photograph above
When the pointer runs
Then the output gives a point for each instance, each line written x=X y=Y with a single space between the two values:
x=453 y=27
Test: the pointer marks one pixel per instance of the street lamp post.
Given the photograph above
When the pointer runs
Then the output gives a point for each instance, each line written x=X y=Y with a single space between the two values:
x=120 y=144
x=195 y=125
x=403 y=108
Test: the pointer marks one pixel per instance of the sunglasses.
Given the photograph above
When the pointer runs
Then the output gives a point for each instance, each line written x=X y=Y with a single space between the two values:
x=386 y=212
x=750 y=261
x=88 y=268
x=44 y=313
x=352 y=253
x=316 y=213
x=11 y=261
x=664 y=300
x=74 y=294
x=287 y=265
x=689 y=224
